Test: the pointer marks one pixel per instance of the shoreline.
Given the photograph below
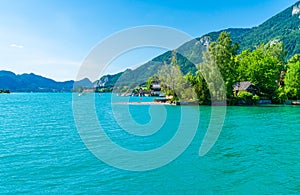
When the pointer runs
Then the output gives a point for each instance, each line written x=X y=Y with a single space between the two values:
x=170 y=104
x=143 y=103
x=292 y=103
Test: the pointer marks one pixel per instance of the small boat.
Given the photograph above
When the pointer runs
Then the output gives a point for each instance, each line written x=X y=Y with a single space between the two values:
x=81 y=94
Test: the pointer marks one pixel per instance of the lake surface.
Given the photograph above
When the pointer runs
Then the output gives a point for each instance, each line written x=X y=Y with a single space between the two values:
x=41 y=150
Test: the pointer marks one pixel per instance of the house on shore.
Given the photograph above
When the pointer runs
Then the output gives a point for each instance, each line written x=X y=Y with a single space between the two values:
x=155 y=89
x=141 y=92
x=245 y=86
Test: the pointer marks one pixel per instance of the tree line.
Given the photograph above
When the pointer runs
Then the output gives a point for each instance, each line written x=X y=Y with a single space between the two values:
x=266 y=67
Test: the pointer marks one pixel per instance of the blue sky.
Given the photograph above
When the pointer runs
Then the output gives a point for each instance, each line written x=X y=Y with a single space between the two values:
x=52 y=37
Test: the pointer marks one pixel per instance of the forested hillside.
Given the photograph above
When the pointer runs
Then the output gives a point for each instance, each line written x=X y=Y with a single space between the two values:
x=283 y=27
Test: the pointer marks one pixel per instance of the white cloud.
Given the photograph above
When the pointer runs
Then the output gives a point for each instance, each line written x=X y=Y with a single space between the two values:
x=16 y=46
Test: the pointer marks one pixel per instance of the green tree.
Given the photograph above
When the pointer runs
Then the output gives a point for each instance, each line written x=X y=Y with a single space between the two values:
x=200 y=87
x=223 y=53
x=219 y=65
x=292 y=77
x=173 y=82
x=263 y=67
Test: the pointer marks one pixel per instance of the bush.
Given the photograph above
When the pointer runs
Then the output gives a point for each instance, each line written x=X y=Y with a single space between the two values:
x=255 y=99
x=247 y=98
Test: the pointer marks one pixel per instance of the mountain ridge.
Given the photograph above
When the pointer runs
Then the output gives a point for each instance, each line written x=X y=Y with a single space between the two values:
x=284 y=26
x=36 y=83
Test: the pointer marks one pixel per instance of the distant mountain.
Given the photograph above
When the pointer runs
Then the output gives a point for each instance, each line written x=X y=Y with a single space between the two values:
x=34 y=83
x=284 y=26
x=139 y=75
x=84 y=83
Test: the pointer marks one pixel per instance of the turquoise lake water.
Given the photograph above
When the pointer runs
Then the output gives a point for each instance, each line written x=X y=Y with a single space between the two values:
x=41 y=150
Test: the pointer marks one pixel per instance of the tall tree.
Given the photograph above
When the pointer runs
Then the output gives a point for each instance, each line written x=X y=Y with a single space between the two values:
x=220 y=58
x=200 y=87
x=223 y=53
x=263 y=67
x=292 y=77
x=173 y=82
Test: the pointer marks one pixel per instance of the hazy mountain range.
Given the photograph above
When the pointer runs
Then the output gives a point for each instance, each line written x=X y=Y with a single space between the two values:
x=285 y=26
x=36 y=83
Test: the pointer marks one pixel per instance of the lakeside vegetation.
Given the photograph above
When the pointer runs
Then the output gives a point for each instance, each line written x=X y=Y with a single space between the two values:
x=266 y=67
x=4 y=91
